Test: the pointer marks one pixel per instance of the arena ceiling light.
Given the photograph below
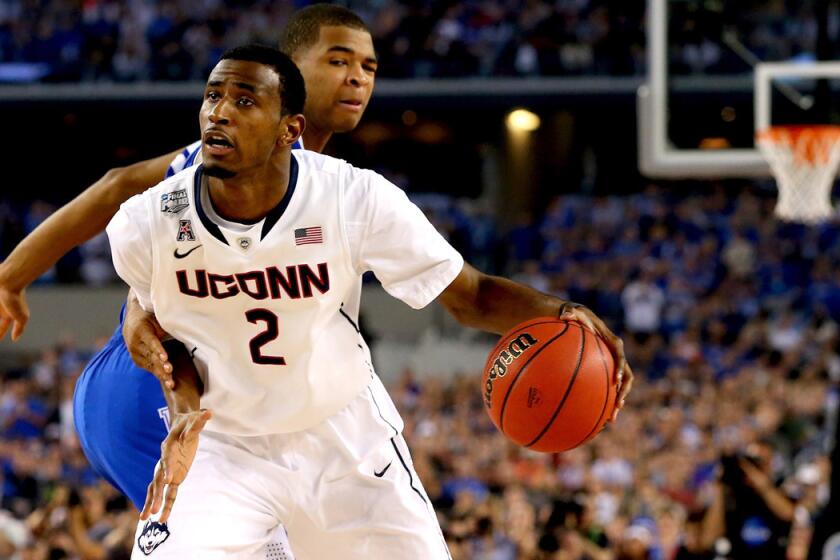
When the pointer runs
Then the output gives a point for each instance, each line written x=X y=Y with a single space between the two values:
x=522 y=120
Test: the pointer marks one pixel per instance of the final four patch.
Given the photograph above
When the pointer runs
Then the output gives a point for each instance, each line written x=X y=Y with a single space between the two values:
x=154 y=534
x=185 y=231
x=174 y=202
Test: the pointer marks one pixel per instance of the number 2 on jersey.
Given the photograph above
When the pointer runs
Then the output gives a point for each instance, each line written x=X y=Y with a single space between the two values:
x=271 y=332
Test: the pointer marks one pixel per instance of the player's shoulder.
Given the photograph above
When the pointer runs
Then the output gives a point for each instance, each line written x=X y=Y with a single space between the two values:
x=361 y=188
x=171 y=194
x=331 y=167
x=318 y=164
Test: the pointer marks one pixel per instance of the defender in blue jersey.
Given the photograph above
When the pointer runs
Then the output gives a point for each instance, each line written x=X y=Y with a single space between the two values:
x=120 y=412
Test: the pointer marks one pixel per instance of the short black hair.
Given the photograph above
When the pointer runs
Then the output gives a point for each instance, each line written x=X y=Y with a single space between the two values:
x=304 y=26
x=292 y=89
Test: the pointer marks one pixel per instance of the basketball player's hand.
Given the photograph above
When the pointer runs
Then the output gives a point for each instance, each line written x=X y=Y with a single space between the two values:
x=176 y=457
x=14 y=312
x=623 y=373
x=143 y=335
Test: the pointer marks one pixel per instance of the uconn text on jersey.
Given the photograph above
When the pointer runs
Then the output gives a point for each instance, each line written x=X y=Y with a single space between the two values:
x=297 y=281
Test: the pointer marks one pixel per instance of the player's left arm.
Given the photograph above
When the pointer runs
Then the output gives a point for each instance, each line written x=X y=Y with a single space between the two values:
x=496 y=304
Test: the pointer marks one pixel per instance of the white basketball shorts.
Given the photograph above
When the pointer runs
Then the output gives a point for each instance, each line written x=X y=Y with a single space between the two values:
x=344 y=489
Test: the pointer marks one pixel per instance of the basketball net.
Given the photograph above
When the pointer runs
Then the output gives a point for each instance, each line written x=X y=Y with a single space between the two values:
x=804 y=160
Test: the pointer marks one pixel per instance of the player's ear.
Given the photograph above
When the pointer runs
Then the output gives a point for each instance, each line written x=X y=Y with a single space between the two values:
x=291 y=128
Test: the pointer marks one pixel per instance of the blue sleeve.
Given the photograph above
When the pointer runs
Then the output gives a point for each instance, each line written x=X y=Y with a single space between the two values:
x=184 y=160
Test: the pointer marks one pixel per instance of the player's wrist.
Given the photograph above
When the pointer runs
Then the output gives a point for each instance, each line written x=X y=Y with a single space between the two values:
x=11 y=278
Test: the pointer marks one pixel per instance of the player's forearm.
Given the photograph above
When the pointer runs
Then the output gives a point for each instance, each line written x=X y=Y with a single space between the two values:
x=498 y=304
x=186 y=396
x=79 y=220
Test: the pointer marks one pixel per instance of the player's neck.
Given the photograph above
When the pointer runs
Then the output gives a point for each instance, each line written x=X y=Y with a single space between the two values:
x=249 y=197
x=315 y=139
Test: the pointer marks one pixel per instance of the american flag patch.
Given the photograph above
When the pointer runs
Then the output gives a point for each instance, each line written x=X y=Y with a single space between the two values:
x=309 y=235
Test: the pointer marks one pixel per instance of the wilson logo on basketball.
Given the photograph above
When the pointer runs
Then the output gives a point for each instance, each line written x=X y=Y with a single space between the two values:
x=515 y=349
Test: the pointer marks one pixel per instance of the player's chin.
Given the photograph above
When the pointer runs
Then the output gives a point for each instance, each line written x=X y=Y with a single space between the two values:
x=345 y=121
x=217 y=170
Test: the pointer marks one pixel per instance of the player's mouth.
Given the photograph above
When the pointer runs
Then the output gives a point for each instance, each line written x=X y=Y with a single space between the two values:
x=352 y=104
x=217 y=143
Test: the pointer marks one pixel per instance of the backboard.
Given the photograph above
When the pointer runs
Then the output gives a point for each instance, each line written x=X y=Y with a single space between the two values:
x=721 y=70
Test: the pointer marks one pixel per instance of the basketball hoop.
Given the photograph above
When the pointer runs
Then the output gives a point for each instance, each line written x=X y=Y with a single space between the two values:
x=804 y=160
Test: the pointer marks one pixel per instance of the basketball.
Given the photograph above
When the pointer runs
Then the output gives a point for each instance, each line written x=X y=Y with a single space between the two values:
x=549 y=384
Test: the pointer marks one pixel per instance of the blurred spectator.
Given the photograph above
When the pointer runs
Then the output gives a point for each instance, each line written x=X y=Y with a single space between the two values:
x=644 y=303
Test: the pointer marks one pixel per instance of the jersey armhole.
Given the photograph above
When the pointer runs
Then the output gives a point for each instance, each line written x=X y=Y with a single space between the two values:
x=342 y=223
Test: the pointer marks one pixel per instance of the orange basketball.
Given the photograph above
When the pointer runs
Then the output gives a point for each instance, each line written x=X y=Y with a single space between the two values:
x=549 y=384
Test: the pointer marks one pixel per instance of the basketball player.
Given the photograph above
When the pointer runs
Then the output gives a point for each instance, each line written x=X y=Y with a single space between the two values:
x=120 y=411
x=259 y=274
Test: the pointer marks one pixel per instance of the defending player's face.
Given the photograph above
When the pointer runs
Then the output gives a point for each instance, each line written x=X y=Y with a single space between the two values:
x=339 y=71
x=241 y=125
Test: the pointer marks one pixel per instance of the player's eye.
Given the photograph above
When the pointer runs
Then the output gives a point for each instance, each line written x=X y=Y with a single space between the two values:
x=338 y=62
x=212 y=95
x=246 y=101
x=369 y=68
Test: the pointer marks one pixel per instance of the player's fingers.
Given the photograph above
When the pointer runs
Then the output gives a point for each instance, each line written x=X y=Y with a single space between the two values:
x=195 y=424
x=623 y=391
x=17 y=329
x=626 y=384
x=150 y=498
x=5 y=322
x=201 y=421
x=171 y=493
x=152 y=361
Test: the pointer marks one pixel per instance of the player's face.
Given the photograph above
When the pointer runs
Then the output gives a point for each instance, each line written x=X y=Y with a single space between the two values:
x=339 y=71
x=240 y=119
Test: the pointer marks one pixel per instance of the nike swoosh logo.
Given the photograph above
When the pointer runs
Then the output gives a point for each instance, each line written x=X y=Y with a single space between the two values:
x=184 y=255
x=381 y=473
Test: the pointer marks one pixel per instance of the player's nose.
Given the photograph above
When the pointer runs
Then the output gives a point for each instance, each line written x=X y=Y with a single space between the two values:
x=220 y=112
x=358 y=77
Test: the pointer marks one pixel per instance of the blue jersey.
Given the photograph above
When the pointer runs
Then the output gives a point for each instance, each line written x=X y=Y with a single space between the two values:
x=121 y=418
x=119 y=410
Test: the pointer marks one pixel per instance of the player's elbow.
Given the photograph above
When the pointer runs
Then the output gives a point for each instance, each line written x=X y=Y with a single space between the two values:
x=466 y=298
x=117 y=185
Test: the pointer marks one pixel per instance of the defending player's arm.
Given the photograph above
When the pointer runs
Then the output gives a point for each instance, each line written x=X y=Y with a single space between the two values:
x=73 y=224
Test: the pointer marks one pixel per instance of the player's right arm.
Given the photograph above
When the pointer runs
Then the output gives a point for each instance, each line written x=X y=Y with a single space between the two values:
x=187 y=420
x=73 y=224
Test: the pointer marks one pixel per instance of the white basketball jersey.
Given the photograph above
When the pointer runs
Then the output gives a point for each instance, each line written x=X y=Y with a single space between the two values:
x=270 y=310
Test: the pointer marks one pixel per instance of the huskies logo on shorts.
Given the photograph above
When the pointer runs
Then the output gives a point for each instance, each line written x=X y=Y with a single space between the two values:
x=174 y=202
x=154 y=534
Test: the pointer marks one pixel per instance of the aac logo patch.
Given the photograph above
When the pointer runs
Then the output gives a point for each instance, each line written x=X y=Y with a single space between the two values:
x=154 y=534
x=174 y=202
x=185 y=231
